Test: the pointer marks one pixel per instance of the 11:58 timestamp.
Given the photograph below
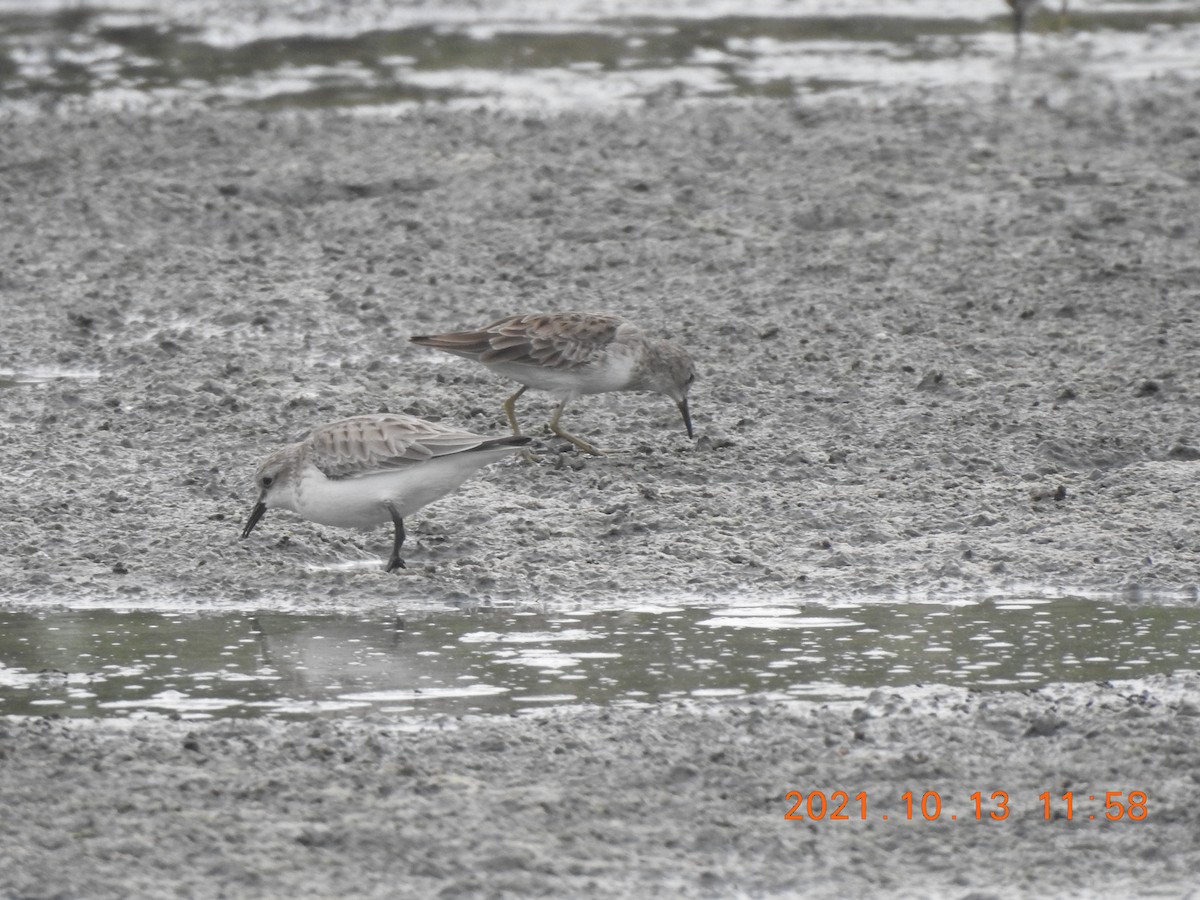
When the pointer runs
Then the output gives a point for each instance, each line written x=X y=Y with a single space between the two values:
x=842 y=806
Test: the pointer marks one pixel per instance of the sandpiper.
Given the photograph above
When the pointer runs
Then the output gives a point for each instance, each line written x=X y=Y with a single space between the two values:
x=1022 y=8
x=571 y=354
x=367 y=470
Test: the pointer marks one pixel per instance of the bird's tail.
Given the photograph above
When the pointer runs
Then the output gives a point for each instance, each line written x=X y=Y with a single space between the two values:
x=471 y=344
x=512 y=442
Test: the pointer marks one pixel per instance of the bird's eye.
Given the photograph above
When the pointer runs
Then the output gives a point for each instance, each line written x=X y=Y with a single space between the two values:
x=267 y=480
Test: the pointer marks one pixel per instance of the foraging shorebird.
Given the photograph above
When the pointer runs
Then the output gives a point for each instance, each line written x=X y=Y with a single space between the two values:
x=572 y=354
x=1022 y=8
x=367 y=470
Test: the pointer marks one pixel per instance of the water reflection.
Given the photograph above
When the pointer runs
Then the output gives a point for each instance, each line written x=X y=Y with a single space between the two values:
x=106 y=663
x=10 y=378
x=554 y=54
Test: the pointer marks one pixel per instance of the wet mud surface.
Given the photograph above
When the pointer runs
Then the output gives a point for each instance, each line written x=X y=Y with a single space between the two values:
x=940 y=349
x=671 y=801
x=946 y=350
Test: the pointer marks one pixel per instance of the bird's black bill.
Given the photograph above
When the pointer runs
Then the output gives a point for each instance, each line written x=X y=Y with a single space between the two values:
x=687 y=416
x=260 y=510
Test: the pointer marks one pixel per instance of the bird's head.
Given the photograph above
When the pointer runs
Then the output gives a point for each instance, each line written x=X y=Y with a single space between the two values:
x=273 y=480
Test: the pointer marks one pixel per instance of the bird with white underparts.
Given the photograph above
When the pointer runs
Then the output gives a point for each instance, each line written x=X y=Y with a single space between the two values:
x=365 y=471
x=571 y=354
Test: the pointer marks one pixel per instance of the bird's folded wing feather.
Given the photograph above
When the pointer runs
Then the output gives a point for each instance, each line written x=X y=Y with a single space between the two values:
x=369 y=444
x=563 y=341
x=554 y=342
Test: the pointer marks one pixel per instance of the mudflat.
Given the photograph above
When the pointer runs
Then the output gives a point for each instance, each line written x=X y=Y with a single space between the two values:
x=946 y=349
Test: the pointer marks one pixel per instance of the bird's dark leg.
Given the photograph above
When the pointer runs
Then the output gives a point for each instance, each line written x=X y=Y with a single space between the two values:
x=395 y=562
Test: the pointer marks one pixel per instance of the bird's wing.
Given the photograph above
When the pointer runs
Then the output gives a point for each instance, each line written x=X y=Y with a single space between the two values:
x=561 y=341
x=365 y=445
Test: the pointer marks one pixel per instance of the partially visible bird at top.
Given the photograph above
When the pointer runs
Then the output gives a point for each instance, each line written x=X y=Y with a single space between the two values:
x=1022 y=8
x=571 y=354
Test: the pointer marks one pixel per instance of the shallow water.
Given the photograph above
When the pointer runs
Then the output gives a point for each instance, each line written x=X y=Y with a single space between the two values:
x=545 y=54
x=10 y=378
x=106 y=663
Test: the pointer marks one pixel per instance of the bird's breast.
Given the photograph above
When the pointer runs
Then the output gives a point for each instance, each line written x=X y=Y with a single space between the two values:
x=342 y=502
x=611 y=371
x=363 y=501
